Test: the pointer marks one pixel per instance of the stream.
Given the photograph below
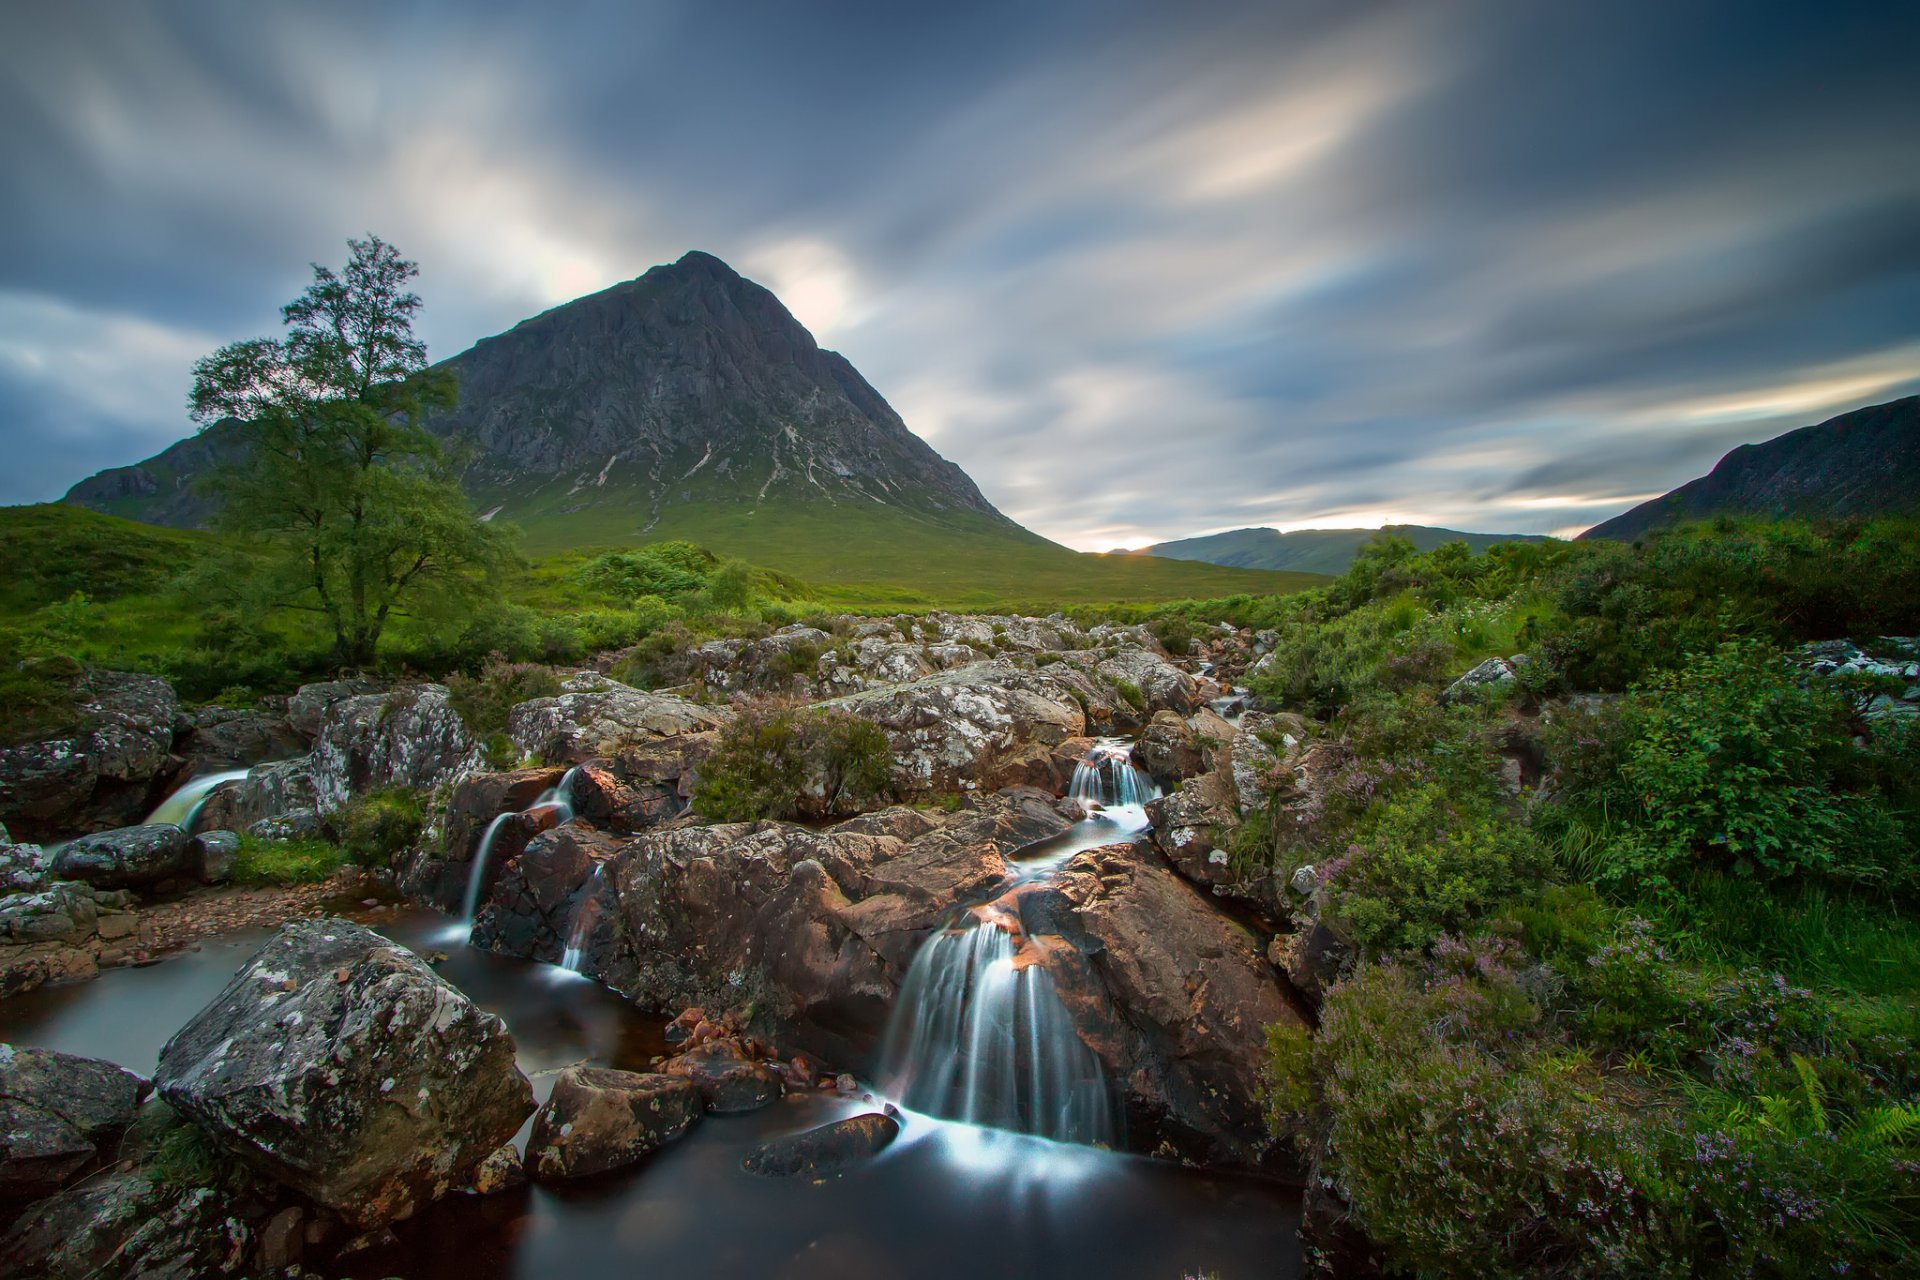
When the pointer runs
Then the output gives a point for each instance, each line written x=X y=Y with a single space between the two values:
x=948 y=1199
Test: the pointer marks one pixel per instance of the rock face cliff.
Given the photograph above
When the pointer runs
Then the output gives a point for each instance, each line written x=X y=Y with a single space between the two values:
x=688 y=385
x=1864 y=463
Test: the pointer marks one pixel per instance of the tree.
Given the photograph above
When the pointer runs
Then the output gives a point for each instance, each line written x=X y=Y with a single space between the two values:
x=337 y=473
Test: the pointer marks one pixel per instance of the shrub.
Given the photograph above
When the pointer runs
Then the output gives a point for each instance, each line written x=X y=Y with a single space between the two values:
x=787 y=764
x=1130 y=694
x=485 y=701
x=1422 y=863
x=285 y=862
x=661 y=569
x=378 y=826
x=1174 y=632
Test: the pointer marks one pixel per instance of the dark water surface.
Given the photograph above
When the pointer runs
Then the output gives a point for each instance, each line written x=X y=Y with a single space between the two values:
x=947 y=1200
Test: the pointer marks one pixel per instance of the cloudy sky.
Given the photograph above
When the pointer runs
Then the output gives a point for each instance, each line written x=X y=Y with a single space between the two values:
x=1144 y=270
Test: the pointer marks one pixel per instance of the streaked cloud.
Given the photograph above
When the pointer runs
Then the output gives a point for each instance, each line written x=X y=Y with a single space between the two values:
x=1143 y=272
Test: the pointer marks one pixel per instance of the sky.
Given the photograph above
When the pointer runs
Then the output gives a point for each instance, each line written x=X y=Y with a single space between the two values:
x=1144 y=270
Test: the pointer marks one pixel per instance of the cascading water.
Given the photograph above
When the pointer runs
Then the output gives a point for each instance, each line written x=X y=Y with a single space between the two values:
x=586 y=914
x=980 y=1036
x=556 y=797
x=979 y=1033
x=182 y=808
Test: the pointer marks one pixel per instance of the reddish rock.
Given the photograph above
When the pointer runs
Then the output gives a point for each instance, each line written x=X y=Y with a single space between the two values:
x=727 y=1079
x=598 y=1119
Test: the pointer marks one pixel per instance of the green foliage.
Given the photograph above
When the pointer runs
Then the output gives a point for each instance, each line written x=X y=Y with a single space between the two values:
x=1174 y=632
x=668 y=570
x=184 y=1156
x=1423 y=863
x=378 y=826
x=484 y=701
x=336 y=479
x=285 y=862
x=1130 y=694
x=787 y=764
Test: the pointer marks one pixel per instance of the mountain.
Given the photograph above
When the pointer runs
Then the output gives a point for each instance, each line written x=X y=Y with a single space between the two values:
x=1327 y=551
x=689 y=403
x=1863 y=463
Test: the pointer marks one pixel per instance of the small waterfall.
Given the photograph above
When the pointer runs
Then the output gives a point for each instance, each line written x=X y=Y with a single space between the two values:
x=586 y=914
x=980 y=1035
x=182 y=808
x=1109 y=778
x=558 y=797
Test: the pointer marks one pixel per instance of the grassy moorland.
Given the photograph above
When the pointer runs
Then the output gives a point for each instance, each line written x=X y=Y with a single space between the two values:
x=1657 y=1011
x=96 y=589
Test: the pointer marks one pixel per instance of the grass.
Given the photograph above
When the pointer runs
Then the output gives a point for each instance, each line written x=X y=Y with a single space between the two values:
x=54 y=551
x=285 y=862
x=1815 y=934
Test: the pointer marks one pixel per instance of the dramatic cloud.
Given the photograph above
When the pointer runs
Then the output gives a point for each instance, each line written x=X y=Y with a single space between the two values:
x=1144 y=271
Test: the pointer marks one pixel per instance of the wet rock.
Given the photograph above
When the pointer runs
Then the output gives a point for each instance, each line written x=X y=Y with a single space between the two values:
x=501 y=1171
x=1169 y=750
x=340 y=1065
x=282 y=1238
x=1049 y=767
x=268 y=791
x=575 y=727
x=1172 y=995
x=531 y=906
x=126 y=1225
x=598 y=1119
x=128 y=858
x=105 y=770
x=212 y=854
x=59 y=1114
x=437 y=873
x=828 y=1150
x=728 y=1082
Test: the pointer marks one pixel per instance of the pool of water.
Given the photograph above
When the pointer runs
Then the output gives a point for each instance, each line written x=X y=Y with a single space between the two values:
x=947 y=1200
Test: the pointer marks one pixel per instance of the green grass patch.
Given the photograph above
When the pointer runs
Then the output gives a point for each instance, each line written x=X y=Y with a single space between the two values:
x=264 y=862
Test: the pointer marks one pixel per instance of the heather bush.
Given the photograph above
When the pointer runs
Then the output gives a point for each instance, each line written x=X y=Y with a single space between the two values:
x=792 y=764
x=484 y=701
x=376 y=827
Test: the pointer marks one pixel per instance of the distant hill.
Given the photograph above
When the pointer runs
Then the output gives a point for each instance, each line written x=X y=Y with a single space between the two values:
x=1864 y=463
x=1327 y=551
x=689 y=403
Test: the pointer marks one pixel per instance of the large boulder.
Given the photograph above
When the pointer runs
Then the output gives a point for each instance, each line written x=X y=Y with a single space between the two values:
x=1173 y=996
x=441 y=867
x=574 y=727
x=127 y=1225
x=540 y=891
x=233 y=738
x=409 y=737
x=953 y=730
x=340 y=1065
x=728 y=1081
x=129 y=858
x=105 y=770
x=59 y=1114
x=598 y=1119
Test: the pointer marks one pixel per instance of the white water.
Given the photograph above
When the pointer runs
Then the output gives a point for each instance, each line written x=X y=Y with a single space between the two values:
x=558 y=797
x=586 y=913
x=979 y=1034
x=183 y=806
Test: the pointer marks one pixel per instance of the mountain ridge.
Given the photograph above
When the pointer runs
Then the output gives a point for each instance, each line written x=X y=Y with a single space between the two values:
x=1865 y=462
x=1327 y=551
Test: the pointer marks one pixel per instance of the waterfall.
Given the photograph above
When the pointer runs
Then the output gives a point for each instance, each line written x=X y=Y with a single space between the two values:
x=586 y=913
x=558 y=797
x=981 y=1036
x=183 y=806
x=1108 y=777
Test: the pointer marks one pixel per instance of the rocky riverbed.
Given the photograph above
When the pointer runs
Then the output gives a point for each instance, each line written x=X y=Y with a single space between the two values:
x=316 y=1136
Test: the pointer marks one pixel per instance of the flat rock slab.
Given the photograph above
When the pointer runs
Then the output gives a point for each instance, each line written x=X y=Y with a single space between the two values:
x=828 y=1150
x=56 y=1112
x=598 y=1119
x=127 y=858
x=339 y=1064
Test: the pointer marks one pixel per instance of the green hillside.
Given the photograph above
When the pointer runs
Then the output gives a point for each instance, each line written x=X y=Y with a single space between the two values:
x=1328 y=551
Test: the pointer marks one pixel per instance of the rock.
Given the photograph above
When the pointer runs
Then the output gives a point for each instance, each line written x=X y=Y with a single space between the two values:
x=501 y=1171
x=409 y=737
x=229 y=738
x=1313 y=959
x=598 y=1119
x=1173 y=996
x=537 y=891
x=126 y=1224
x=1489 y=674
x=307 y=708
x=61 y=912
x=1187 y=823
x=828 y=1150
x=213 y=854
x=340 y=1065
x=58 y=1115
x=283 y=1238
x=1169 y=750
x=948 y=730
x=438 y=872
x=727 y=1082
x=104 y=771
x=1162 y=686
x=24 y=868
x=300 y=824
x=128 y=858
x=575 y=727
x=268 y=791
